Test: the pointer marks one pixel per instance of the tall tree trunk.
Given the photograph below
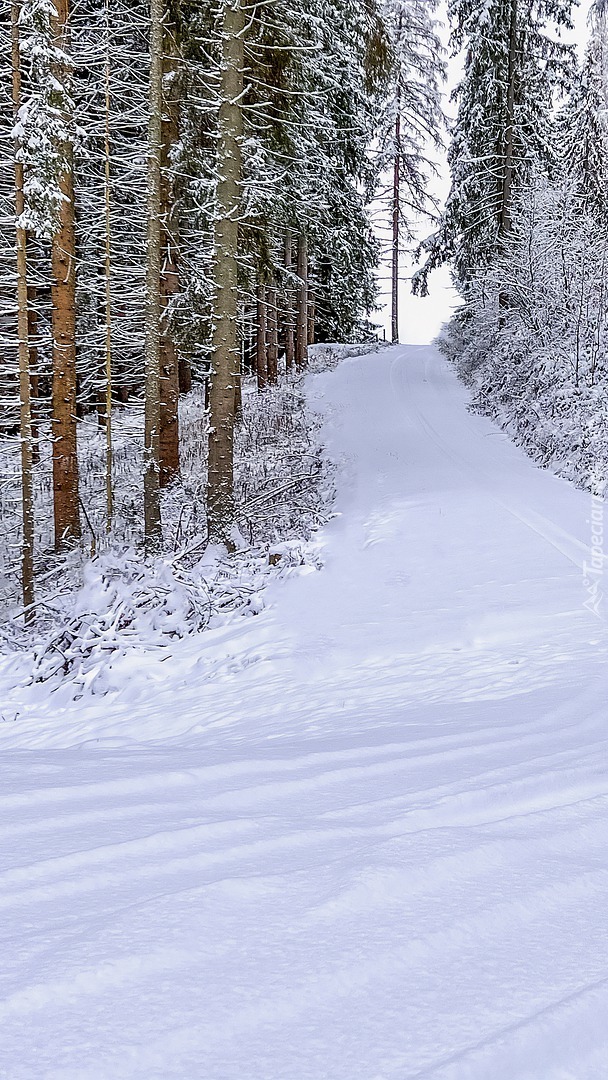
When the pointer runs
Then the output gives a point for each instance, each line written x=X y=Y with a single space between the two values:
x=395 y=217
x=261 y=339
x=152 y=521
x=273 y=337
x=108 y=281
x=505 y=222
x=289 y=322
x=302 y=312
x=226 y=352
x=63 y=300
x=311 y=317
x=32 y=335
x=169 y=281
x=25 y=431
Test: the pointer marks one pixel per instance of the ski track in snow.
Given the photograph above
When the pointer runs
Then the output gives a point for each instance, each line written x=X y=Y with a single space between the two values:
x=361 y=837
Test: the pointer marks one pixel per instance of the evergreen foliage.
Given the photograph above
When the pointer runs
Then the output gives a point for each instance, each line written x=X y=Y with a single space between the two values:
x=317 y=114
x=513 y=63
x=582 y=128
x=417 y=73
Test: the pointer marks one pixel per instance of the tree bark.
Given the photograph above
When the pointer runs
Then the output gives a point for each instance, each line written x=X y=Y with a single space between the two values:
x=261 y=340
x=169 y=279
x=289 y=321
x=273 y=337
x=32 y=334
x=152 y=520
x=225 y=344
x=27 y=495
x=302 y=312
x=505 y=221
x=108 y=281
x=311 y=318
x=395 y=219
x=63 y=301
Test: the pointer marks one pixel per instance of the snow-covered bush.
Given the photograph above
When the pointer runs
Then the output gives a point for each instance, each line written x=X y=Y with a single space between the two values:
x=92 y=613
x=126 y=604
x=283 y=487
x=532 y=340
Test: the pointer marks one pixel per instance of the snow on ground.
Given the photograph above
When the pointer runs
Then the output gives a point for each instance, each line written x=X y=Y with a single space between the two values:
x=363 y=836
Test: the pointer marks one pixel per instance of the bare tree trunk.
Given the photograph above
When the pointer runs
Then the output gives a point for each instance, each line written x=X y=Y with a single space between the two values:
x=108 y=282
x=302 y=312
x=261 y=349
x=395 y=216
x=32 y=335
x=289 y=321
x=505 y=223
x=226 y=352
x=169 y=281
x=152 y=521
x=63 y=299
x=25 y=430
x=273 y=338
x=311 y=318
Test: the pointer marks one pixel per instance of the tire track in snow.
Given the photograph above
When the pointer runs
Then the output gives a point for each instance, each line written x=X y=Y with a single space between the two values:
x=565 y=543
x=583 y=1009
x=367 y=911
x=162 y=854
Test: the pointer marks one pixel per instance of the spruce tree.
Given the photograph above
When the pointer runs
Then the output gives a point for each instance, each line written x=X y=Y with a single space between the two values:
x=46 y=136
x=412 y=121
x=25 y=425
x=582 y=127
x=513 y=61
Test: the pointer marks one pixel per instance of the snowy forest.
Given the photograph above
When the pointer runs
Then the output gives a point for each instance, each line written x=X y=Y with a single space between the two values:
x=193 y=206
x=303 y=632
x=189 y=214
x=524 y=229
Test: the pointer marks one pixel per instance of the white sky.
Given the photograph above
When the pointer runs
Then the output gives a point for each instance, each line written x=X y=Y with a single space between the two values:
x=422 y=318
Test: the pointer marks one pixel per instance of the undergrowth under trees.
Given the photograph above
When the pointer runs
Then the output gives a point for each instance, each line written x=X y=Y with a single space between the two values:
x=92 y=617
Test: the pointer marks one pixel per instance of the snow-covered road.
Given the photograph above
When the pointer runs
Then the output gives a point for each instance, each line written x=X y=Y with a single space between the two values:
x=361 y=837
